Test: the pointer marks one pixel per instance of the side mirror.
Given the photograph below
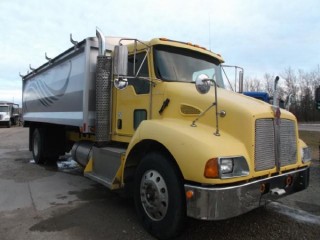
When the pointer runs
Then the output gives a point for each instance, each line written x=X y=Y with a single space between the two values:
x=120 y=64
x=240 y=81
x=203 y=83
x=317 y=98
x=120 y=83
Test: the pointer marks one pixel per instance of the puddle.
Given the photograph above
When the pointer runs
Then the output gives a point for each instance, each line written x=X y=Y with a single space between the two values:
x=3 y=151
x=296 y=214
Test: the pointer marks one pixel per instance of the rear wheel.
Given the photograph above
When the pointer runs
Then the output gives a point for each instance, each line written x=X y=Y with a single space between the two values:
x=38 y=146
x=44 y=149
x=159 y=196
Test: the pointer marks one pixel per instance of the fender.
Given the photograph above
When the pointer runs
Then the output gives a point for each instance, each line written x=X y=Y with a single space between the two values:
x=191 y=147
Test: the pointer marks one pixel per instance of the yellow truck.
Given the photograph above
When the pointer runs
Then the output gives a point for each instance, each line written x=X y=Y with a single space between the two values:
x=154 y=118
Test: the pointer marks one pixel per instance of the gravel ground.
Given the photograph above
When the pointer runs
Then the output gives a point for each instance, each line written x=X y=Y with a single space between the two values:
x=50 y=202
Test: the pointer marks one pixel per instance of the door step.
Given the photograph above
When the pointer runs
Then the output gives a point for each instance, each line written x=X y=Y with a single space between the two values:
x=106 y=163
x=100 y=179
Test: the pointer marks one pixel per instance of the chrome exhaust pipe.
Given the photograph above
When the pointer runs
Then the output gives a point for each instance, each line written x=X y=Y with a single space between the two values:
x=102 y=42
x=82 y=152
x=277 y=191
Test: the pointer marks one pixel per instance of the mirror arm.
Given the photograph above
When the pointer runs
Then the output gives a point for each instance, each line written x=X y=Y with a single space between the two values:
x=134 y=57
x=222 y=67
x=144 y=59
x=214 y=104
x=217 y=133
x=193 y=124
x=241 y=80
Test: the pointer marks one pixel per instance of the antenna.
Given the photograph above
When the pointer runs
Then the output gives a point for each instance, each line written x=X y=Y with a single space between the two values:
x=209 y=32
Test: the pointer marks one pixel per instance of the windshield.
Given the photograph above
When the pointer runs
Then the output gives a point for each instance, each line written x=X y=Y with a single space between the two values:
x=184 y=65
x=4 y=109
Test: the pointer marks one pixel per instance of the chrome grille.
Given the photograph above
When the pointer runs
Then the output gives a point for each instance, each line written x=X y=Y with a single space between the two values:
x=288 y=143
x=264 y=149
x=265 y=153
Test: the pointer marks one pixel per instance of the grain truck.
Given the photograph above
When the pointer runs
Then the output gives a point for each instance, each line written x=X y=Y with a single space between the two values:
x=154 y=118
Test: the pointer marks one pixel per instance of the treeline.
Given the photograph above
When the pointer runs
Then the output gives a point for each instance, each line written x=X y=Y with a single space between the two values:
x=295 y=86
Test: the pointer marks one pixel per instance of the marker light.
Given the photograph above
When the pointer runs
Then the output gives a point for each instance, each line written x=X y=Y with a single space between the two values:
x=189 y=194
x=262 y=188
x=289 y=180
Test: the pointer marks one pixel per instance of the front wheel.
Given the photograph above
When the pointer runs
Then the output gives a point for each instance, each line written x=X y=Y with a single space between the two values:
x=159 y=196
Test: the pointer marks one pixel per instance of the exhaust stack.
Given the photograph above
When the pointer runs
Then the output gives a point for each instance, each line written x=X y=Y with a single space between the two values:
x=102 y=42
x=103 y=94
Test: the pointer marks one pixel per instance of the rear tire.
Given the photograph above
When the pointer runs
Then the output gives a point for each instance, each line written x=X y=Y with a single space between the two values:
x=38 y=146
x=159 y=196
x=43 y=148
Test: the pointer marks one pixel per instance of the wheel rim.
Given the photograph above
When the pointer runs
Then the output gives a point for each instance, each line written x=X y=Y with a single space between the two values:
x=154 y=195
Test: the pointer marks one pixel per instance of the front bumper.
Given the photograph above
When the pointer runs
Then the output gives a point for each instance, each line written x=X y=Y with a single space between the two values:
x=3 y=122
x=217 y=203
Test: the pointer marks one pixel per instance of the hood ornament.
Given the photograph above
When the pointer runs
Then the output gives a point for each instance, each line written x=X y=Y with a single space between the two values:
x=275 y=107
x=277 y=113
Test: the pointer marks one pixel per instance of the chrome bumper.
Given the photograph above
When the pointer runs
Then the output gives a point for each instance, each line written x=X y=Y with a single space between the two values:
x=217 y=203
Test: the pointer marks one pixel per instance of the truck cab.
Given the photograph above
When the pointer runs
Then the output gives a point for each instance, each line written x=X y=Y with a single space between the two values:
x=5 y=115
x=9 y=114
x=154 y=118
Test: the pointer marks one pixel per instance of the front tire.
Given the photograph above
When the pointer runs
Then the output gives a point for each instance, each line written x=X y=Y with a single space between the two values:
x=159 y=196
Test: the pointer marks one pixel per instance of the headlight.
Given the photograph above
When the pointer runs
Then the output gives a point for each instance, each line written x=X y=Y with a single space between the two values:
x=226 y=165
x=6 y=118
x=233 y=167
x=306 y=154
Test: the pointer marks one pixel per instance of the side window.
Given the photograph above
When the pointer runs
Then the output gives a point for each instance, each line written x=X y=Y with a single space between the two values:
x=141 y=86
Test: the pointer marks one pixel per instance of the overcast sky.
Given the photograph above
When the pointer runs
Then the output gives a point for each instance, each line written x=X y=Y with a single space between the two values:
x=261 y=36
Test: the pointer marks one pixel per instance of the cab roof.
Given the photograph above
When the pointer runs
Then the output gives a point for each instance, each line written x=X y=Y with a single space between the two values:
x=169 y=42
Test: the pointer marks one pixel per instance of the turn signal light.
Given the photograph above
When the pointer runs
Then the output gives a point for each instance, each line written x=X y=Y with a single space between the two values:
x=212 y=169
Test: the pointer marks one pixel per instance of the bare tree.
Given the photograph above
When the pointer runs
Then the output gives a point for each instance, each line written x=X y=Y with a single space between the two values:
x=253 y=85
x=308 y=83
x=269 y=83
x=299 y=84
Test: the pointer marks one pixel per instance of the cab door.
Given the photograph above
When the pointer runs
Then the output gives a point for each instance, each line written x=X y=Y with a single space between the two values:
x=132 y=104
